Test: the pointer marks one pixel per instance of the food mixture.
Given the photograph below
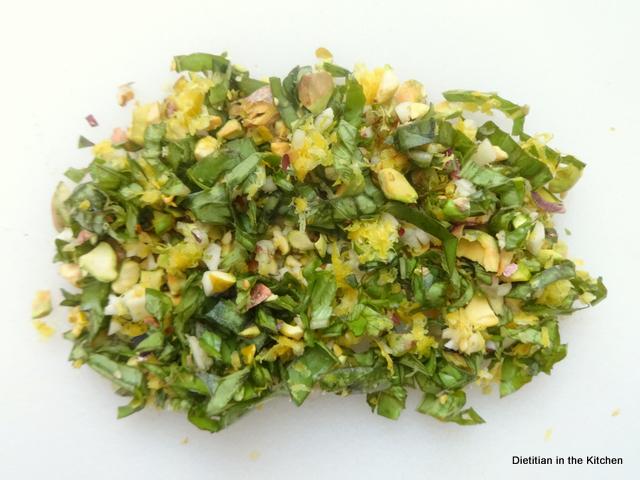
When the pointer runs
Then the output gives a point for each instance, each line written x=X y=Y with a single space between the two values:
x=332 y=229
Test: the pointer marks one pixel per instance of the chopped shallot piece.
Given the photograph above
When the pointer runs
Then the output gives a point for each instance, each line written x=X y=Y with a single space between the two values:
x=545 y=205
x=91 y=120
x=457 y=230
x=509 y=270
x=83 y=236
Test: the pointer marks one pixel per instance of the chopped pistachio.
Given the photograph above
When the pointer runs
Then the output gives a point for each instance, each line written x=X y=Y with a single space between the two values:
x=59 y=211
x=215 y=282
x=231 y=129
x=152 y=278
x=321 y=245
x=127 y=278
x=315 y=90
x=205 y=147
x=71 y=272
x=291 y=331
x=125 y=94
x=41 y=306
x=250 y=332
x=101 y=262
x=396 y=187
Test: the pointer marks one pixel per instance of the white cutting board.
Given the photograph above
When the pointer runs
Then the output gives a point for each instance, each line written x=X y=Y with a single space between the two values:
x=575 y=63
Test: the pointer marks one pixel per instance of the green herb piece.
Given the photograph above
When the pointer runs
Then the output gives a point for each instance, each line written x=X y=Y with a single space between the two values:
x=225 y=391
x=303 y=372
x=157 y=304
x=125 y=377
x=286 y=109
x=200 y=62
x=84 y=142
x=415 y=134
x=323 y=291
x=449 y=408
x=226 y=315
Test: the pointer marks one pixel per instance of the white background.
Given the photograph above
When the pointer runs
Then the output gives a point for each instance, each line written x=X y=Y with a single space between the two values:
x=575 y=63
